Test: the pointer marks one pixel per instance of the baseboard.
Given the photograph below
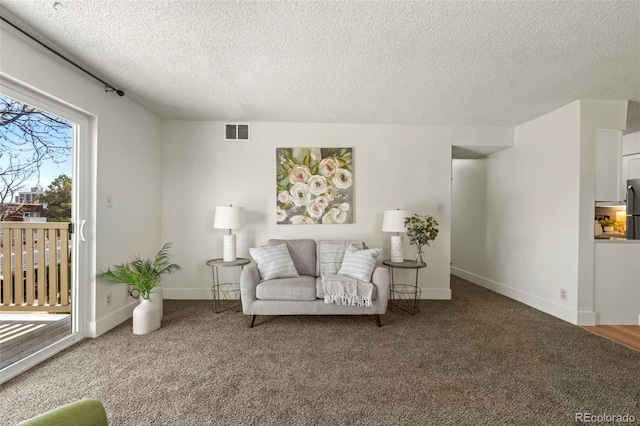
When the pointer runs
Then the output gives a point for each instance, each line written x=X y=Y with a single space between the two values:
x=187 y=293
x=586 y=318
x=205 y=293
x=435 y=293
x=528 y=299
x=106 y=323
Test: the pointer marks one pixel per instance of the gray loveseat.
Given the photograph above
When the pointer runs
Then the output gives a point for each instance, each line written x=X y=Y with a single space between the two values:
x=304 y=294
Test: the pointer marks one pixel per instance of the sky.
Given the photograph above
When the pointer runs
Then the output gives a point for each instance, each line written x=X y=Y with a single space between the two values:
x=49 y=170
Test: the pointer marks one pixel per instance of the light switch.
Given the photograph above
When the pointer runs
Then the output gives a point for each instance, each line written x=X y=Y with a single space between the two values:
x=108 y=200
x=440 y=208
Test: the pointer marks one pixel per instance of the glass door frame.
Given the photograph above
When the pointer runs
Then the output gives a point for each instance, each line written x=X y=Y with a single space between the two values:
x=83 y=213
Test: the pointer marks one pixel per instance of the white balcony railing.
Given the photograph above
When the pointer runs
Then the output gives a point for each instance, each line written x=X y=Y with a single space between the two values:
x=28 y=283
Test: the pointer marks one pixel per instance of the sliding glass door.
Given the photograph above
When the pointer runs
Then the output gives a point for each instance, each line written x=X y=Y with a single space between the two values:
x=41 y=251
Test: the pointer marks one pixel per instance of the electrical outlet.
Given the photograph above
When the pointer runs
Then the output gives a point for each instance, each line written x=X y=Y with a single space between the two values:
x=563 y=294
x=108 y=299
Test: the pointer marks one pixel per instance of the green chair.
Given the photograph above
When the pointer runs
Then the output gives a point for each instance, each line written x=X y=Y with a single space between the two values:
x=86 y=412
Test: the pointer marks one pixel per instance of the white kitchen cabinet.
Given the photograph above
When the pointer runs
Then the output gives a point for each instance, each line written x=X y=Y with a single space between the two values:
x=630 y=160
x=631 y=144
x=608 y=165
x=617 y=282
x=630 y=167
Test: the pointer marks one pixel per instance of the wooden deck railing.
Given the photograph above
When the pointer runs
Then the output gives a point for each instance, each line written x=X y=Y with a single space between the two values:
x=39 y=279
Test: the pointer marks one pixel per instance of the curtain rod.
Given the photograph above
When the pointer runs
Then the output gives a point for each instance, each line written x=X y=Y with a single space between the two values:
x=107 y=87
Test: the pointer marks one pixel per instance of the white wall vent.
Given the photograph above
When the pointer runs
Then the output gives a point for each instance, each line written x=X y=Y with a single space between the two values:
x=237 y=132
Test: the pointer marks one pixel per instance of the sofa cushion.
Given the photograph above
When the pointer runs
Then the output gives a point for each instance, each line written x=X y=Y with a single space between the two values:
x=274 y=262
x=303 y=253
x=79 y=413
x=330 y=254
x=320 y=289
x=359 y=264
x=300 y=288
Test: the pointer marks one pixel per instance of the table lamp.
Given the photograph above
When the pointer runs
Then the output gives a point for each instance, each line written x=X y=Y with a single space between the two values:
x=393 y=221
x=229 y=218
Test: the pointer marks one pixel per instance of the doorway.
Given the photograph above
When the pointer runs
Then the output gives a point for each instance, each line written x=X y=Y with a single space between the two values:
x=41 y=173
x=469 y=210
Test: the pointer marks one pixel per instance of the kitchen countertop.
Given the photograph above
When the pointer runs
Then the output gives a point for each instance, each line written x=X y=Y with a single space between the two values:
x=616 y=240
x=611 y=235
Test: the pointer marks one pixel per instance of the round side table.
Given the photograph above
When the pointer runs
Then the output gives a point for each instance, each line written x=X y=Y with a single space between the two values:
x=401 y=293
x=227 y=291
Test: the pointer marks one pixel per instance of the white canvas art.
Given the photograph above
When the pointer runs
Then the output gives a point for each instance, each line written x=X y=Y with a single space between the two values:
x=314 y=186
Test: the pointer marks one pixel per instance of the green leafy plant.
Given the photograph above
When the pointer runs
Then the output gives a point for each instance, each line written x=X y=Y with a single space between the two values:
x=607 y=222
x=57 y=198
x=421 y=230
x=140 y=274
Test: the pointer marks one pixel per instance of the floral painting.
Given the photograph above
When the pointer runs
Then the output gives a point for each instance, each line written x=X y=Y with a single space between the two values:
x=314 y=186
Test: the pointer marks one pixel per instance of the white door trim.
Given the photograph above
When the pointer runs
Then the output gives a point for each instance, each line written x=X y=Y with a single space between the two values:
x=84 y=208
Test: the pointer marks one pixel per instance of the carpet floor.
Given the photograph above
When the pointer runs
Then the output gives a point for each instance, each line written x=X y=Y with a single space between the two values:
x=479 y=358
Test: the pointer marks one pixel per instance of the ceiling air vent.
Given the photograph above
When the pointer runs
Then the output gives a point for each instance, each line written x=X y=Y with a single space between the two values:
x=236 y=132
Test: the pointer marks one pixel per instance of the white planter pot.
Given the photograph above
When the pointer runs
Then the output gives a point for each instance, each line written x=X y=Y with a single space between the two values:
x=146 y=317
x=156 y=297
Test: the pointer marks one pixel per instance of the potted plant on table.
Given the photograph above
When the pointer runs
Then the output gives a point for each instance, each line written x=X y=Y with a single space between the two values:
x=420 y=231
x=142 y=275
x=607 y=225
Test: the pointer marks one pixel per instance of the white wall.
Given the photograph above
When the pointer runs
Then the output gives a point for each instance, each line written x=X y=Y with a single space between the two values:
x=530 y=253
x=406 y=167
x=540 y=199
x=127 y=164
x=469 y=216
x=594 y=115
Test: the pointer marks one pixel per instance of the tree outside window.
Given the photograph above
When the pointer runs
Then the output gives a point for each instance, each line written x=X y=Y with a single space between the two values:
x=57 y=200
x=35 y=146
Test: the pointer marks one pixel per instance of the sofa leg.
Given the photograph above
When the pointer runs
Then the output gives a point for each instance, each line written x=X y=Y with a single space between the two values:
x=377 y=317
x=253 y=320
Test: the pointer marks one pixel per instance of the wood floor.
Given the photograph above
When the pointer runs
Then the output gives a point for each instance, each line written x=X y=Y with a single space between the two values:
x=22 y=337
x=626 y=335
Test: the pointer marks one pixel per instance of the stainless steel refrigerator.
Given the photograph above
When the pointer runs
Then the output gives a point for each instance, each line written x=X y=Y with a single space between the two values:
x=633 y=209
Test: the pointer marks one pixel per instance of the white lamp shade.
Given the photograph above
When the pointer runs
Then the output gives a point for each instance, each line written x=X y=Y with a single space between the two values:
x=229 y=217
x=393 y=220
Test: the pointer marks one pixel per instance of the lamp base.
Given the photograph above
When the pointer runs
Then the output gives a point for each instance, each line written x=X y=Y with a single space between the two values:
x=229 y=253
x=397 y=249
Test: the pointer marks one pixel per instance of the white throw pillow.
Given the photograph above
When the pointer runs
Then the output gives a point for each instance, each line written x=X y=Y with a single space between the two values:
x=359 y=264
x=274 y=262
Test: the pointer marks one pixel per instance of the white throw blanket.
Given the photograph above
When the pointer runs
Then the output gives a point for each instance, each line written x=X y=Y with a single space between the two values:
x=343 y=290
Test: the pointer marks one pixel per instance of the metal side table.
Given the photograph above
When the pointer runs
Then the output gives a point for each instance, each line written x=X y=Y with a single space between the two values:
x=404 y=296
x=227 y=291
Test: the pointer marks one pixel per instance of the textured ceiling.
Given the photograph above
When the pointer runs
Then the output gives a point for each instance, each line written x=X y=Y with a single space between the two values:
x=426 y=62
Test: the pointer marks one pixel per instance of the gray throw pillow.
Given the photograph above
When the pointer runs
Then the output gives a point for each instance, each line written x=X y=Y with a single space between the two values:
x=359 y=264
x=331 y=253
x=274 y=262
